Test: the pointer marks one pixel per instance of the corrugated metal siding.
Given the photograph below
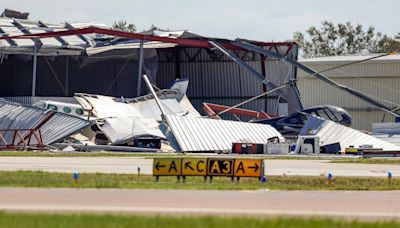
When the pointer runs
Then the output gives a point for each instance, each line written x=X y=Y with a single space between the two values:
x=315 y=91
x=248 y=83
x=61 y=126
x=394 y=139
x=58 y=127
x=193 y=71
x=168 y=74
x=15 y=76
x=330 y=132
x=32 y=100
x=201 y=134
x=380 y=80
x=278 y=71
x=363 y=120
x=95 y=78
x=221 y=80
x=211 y=77
x=391 y=69
x=98 y=78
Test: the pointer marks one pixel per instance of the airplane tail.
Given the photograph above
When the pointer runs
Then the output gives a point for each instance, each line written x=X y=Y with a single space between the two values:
x=181 y=85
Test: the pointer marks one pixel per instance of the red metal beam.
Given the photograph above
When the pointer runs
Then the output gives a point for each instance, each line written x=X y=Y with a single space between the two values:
x=83 y=31
x=288 y=50
x=179 y=41
x=19 y=141
x=211 y=108
x=209 y=111
x=273 y=44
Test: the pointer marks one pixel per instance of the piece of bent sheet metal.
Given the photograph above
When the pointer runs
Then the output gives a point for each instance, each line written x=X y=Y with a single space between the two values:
x=54 y=126
x=150 y=109
x=330 y=132
x=126 y=121
x=105 y=106
x=195 y=134
x=121 y=130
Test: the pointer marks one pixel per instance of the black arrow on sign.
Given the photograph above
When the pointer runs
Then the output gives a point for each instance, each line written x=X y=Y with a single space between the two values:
x=255 y=167
x=187 y=165
x=158 y=166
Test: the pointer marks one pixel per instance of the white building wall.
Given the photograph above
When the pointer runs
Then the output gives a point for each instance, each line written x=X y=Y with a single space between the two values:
x=380 y=79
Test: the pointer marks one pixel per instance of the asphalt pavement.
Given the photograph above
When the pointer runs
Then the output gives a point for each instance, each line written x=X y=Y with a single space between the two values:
x=130 y=164
x=363 y=205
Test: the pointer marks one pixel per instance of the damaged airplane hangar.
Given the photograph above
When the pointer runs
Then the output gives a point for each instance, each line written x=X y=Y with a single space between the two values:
x=236 y=74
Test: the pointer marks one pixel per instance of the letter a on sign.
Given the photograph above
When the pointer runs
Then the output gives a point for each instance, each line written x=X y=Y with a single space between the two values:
x=215 y=167
x=248 y=168
x=172 y=167
x=167 y=166
x=220 y=167
x=240 y=168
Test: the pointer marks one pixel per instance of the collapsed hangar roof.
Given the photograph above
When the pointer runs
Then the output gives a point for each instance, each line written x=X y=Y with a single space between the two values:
x=14 y=23
x=88 y=43
x=63 y=45
x=71 y=44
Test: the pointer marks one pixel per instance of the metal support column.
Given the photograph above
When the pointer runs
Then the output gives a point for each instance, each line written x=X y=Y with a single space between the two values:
x=251 y=47
x=150 y=86
x=66 y=75
x=34 y=70
x=139 y=82
x=177 y=62
x=264 y=73
x=244 y=65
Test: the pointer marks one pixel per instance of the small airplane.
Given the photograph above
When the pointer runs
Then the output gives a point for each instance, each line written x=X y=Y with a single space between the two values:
x=294 y=123
x=290 y=124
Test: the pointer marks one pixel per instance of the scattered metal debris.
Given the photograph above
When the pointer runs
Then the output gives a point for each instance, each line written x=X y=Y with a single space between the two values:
x=204 y=134
x=89 y=148
x=168 y=115
x=125 y=129
x=330 y=132
x=24 y=126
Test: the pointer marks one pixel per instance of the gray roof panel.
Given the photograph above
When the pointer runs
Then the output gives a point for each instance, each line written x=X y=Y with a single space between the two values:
x=57 y=127
x=203 y=134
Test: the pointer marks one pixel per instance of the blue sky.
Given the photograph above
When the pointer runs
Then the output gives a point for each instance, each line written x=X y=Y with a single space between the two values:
x=252 y=19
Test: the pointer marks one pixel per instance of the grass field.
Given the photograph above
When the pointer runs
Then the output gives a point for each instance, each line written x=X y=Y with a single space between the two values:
x=58 y=220
x=97 y=180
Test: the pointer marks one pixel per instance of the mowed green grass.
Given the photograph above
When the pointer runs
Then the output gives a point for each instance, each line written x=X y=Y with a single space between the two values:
x=85 y=220
x=99 y=180
x=393 y=161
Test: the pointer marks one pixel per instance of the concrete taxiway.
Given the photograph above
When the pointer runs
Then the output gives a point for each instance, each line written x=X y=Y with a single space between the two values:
x=369 y=205
x=130 y=164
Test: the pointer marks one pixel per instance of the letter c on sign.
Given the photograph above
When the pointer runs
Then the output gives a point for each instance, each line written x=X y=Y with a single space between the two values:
x=198 y=166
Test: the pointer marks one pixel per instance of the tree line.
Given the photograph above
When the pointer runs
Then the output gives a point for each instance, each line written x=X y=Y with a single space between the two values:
x=344 y=39
x=123 y=25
